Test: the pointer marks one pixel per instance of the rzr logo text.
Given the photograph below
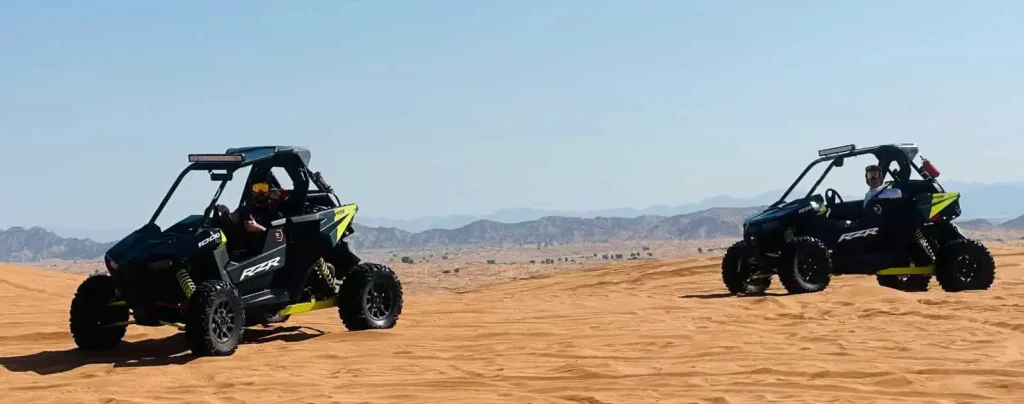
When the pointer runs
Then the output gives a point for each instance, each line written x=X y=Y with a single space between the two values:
x=252 y=271
x=861 y=233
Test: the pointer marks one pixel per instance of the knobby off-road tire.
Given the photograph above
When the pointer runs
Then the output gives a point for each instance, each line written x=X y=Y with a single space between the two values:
x=370 y=298
x=214 y=319
x=806 y=266
x=964 y=264
x=737 y=269
x=90 y=311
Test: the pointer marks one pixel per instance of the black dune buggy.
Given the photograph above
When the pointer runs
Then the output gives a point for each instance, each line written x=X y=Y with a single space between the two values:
x=902 y=241
x=201 y=276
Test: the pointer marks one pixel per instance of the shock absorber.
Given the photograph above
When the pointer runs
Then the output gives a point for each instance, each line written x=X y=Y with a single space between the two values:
x=325 y=277
x=922 y=244
x=186 y=282
x=788 y=234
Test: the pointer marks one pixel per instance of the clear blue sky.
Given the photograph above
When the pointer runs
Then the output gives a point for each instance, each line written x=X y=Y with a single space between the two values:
x=445 y=107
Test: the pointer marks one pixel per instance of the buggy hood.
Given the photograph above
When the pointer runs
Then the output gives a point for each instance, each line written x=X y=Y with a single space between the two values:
x=148 y=244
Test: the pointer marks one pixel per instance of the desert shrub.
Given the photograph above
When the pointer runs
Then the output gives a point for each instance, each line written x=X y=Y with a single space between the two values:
x=407 y=260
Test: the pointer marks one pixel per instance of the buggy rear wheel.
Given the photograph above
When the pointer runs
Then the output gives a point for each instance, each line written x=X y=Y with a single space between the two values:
x=964 y=264
x=806 y=266
x=92 y=315
x=370 y=298
x=737 y=271
x=215 y=319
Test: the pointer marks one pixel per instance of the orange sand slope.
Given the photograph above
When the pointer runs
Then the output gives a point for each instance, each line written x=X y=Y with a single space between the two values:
x=639 y=333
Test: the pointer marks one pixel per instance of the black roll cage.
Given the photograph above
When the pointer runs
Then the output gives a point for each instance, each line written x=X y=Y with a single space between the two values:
x=886 y=154
x=294 y=164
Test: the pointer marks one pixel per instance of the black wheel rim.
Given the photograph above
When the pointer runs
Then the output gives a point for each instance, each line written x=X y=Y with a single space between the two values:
x=806 y=268
x=379 y=301
x=222 y=321
x=966 y=268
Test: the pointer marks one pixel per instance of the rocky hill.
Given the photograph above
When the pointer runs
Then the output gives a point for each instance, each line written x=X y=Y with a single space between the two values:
x=709 y=223
x=1015 y=224
x=977 y=225
x=18 y=244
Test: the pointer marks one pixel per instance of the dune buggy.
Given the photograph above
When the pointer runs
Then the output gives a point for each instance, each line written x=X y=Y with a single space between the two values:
x=205 y=277
x=902 y=241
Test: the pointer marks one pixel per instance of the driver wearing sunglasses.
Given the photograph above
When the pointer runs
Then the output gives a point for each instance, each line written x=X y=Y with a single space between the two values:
x=873 y=175
x=262 y=208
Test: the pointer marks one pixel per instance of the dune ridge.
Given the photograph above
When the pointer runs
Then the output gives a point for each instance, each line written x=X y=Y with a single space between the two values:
x=637 y=332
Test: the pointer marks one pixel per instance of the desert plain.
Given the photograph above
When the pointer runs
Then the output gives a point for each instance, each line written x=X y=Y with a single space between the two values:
x=654 y=329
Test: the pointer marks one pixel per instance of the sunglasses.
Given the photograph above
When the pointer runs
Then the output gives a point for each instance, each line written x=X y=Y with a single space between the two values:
x=872 y=175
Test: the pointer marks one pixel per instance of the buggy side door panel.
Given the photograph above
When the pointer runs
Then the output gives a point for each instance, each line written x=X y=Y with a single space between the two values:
x=258 y=272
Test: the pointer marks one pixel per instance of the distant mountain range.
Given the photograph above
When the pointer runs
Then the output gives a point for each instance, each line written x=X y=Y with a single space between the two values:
x=992 y=201
x=516 y=215
x=18 y=244
x=986 y=206
x=709 y=223
x=36 y=243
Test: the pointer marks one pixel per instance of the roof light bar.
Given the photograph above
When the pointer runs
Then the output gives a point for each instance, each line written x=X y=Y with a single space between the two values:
x=205 y=158
x=837 y=150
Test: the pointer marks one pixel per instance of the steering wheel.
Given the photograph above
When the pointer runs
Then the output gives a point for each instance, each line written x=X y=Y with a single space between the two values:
x=831 y=195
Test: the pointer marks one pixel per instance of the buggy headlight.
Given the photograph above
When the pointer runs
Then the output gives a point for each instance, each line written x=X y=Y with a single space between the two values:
x=110 y=263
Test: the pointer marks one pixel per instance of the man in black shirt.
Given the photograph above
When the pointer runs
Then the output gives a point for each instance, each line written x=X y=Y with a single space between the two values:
x=255 y=216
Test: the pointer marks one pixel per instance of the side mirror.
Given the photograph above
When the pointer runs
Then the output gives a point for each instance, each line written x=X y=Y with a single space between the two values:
x=838 y=162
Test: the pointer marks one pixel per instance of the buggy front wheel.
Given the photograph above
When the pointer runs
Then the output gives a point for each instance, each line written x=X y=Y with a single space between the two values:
x=370 y=298
x=215 y=319
x=738 y=271
x=806 y=266
x=964 y=264
x=95 y=323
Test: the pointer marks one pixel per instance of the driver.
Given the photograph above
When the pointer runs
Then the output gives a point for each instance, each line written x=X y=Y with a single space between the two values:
x=254 y=217
x=873 y=175
x=262 y=209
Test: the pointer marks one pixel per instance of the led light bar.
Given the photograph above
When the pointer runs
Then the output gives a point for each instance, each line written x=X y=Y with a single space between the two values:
x=206 y=158
x=837 y=150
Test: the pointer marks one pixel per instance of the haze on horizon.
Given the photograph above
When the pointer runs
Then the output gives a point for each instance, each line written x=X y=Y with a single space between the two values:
x=462 y=107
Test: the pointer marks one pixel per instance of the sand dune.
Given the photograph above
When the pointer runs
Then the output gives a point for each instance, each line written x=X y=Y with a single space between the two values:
x=645 y=332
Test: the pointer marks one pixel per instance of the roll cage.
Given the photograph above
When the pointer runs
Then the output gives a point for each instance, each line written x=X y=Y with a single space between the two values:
x=221 y=167
x=902 y=154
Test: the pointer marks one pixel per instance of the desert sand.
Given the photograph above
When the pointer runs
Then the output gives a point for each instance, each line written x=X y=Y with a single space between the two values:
x=626 y=332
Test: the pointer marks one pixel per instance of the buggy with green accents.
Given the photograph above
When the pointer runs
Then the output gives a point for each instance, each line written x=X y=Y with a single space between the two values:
x=902 y=241
x=209 y=279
